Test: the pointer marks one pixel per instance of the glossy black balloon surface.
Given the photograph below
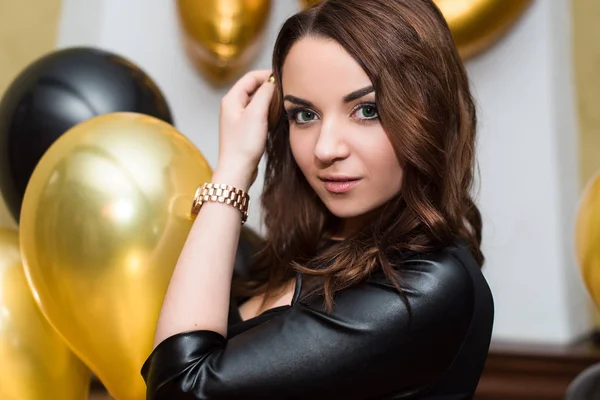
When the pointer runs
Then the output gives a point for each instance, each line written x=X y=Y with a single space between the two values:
x=55 y=93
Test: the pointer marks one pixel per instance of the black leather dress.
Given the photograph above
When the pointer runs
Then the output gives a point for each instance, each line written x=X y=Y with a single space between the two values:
x=366 y=349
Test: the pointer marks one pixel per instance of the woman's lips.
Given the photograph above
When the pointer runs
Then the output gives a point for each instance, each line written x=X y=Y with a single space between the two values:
x=340 y=186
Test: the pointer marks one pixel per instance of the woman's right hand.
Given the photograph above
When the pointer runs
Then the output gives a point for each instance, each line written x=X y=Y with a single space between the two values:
x=243 y=129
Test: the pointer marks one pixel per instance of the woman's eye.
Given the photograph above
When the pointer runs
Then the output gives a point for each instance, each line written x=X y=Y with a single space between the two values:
x=303 y=116
x=366 y=111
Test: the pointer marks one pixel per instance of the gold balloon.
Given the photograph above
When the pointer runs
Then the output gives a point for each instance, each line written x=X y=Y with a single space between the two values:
x=587 y=238
x=35 y=362
x=223 y=37
x=477 y=24
x=104 y=217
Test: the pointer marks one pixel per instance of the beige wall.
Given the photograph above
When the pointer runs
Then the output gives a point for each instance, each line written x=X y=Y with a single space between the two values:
x=28 y=29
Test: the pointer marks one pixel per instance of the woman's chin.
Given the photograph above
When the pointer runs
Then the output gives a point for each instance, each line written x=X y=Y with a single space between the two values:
x=346 y=211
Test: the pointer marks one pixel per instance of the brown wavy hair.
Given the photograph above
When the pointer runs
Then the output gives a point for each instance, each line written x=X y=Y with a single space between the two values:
x=426 y=109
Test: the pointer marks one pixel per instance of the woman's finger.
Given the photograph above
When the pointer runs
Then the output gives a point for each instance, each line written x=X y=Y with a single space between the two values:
x=262 y=99
x=243 y=90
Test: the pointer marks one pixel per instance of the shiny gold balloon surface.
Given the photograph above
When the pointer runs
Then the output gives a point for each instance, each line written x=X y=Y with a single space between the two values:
x=104 y=218
x=587 y=238
x=222 y=37
x=35 y=363
x=477 y=24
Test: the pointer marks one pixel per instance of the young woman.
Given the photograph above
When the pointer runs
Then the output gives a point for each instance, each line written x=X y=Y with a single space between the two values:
x=368 y=284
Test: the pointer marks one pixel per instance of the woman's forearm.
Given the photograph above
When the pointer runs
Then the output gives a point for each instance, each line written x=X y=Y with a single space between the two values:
x=199 y=291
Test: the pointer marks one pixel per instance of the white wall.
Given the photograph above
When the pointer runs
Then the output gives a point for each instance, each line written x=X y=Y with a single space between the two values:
x=528 y=159
x=527 y=147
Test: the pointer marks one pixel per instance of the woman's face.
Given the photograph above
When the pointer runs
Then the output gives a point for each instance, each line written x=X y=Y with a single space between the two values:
x=335 y=134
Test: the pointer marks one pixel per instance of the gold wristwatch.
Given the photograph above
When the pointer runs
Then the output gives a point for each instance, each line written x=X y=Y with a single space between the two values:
x=221 y=193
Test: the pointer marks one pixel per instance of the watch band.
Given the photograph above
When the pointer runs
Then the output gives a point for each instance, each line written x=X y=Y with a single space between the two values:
x=221 y=193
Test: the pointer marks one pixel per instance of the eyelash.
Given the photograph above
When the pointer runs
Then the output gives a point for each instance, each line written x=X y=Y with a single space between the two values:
x=293 y=114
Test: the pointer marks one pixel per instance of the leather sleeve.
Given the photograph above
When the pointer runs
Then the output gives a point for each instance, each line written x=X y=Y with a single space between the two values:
x=367 y=347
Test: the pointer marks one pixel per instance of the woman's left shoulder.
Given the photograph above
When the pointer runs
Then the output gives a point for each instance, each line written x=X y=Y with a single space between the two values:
x=448 y=277
x=452 y=265
x=442 y=289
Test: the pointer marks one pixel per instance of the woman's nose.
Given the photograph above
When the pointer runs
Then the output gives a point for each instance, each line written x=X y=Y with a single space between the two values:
x=331 y=145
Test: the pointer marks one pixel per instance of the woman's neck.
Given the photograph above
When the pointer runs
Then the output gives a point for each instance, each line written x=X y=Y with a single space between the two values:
x=349 y=226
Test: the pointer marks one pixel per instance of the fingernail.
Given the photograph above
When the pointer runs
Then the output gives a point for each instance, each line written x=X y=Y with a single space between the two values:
x=271 y=79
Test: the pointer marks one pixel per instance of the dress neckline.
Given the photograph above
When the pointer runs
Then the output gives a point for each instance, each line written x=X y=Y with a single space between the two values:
x=297 y=288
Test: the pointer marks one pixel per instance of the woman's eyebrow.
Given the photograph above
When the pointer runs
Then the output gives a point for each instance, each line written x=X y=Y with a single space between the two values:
x=298 y=100
x=357 y=94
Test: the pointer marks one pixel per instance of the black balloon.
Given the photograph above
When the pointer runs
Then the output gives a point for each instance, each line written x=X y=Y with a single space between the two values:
x=57 y=92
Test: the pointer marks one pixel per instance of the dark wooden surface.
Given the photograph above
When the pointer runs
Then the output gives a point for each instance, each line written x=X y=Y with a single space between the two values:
x=516 y=371
x=520 y=371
